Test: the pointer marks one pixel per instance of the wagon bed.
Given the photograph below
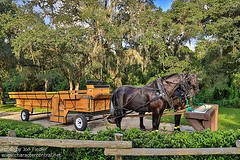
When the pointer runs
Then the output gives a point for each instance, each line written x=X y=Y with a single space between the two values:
x=94 y=100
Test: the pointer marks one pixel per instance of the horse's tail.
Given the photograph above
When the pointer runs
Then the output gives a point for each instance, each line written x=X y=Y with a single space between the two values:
x=113 y=104
x=116 y=103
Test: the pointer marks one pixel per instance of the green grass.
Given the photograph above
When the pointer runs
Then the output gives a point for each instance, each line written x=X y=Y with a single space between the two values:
x=15 y=123
x=170 y=119
x=10 y=108
x=228 y=118
x=13 y=108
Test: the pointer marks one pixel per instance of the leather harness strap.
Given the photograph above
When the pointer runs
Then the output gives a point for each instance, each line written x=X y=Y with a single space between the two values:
x=163 y=92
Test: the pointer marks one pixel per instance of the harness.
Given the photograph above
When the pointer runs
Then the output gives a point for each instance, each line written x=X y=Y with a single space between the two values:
x=163 y=93
x=119 y=109
x=179 y=93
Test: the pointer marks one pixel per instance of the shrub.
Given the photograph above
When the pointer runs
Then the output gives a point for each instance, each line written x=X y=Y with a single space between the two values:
x=233 y=103
x=140 y=139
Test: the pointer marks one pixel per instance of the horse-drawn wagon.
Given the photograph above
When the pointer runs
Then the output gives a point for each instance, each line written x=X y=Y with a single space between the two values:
x=95 y=100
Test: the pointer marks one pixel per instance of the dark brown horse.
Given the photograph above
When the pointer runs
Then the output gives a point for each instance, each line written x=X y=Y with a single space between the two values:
x=178 y=103
x=154 y=97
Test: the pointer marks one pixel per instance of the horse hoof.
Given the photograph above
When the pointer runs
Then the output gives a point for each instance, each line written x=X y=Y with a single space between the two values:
x=112 y=121
x=143 y=128
x=177 y=130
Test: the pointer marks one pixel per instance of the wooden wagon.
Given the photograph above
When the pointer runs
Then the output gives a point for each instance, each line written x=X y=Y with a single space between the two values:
x=95 y=100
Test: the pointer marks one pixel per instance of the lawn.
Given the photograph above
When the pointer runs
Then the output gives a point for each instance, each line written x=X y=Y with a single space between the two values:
x=13 y=108
x=228 y=118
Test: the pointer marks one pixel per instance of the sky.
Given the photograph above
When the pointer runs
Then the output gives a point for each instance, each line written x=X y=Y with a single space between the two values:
x=164 y=4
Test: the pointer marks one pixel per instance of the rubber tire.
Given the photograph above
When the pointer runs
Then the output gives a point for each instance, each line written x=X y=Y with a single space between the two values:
x=25 y=115
x=80 y=122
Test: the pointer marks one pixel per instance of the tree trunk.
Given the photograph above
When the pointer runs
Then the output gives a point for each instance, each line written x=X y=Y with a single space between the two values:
x=1 y=92
x=46 y=85
x=70 y=84
x=78 y=78
x=77 y=86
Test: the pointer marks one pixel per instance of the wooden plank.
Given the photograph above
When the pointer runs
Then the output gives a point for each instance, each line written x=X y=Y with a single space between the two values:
x=59 y=119
x=55 y=103
x=238 y=143
x=12 y=133
x=8 y=149
x=95 y=91
x=103 y=96
x=32 y=97
x=29 y=108
x=100 y=105
x=171 y=151
x=196 y=124
x=118 y=137
x=82 y=91
x=207 y=124
x=210 y=112
x=214 y=121
x=63 y=143
x=32 y=93
x=195 y=115
x=69 y=96
x=67 y=92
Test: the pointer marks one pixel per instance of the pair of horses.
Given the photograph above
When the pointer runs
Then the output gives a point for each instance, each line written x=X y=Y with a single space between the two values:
x=166 y=92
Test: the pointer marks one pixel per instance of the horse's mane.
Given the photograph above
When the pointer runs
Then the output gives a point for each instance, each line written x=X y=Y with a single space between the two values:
x=163 y=78
x=168 y=76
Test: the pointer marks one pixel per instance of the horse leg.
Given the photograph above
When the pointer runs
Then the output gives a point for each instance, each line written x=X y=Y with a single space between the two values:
x=155 y=119
x=142 y=127
x=177 y=119
x=118 y=122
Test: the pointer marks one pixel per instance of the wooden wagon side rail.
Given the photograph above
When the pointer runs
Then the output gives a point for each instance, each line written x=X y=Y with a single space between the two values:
x=41 y=95
x=32 y=95
x=63 y=95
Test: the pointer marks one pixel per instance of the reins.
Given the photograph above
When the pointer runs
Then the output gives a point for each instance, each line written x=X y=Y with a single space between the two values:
x=162 y=94
x=130 y=111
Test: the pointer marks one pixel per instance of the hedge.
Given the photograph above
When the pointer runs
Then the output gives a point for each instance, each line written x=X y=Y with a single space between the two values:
x=140 y=139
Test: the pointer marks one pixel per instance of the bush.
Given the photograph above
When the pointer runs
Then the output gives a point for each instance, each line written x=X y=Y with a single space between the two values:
x=232 y=103
x=140 y=139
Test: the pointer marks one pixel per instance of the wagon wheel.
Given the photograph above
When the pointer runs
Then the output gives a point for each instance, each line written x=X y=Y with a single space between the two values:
x=25 y=115
x=80 y=122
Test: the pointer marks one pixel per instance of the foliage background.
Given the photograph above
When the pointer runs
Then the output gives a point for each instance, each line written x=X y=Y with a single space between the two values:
x=58 y=45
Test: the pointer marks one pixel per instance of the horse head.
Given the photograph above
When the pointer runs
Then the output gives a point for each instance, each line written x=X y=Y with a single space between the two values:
x=171 y=83
x=190 y=84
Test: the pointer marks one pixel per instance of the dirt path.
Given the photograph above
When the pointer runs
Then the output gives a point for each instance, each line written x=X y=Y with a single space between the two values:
x=96 y=125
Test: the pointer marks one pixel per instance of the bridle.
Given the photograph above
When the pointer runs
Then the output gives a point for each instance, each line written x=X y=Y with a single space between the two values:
x=186 y=85
x=183 y=85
